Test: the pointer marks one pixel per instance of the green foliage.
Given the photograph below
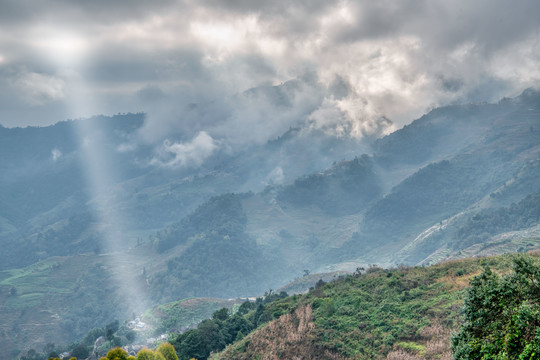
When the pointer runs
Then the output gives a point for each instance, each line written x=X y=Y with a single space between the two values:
x=487 y=223
x=164 y=352
x=346 y=188
x=502 y=315
x=147 y=354
x=167 y=350
x=221 y=315
x=222 y=214
x=236 y=267
x=246 y=307
x=365 y=316
x=214 y=334
x=80 y=351
x=177 y=316
x=116 y=354
x=200 y=342
x=412 y=347
x=110 y=329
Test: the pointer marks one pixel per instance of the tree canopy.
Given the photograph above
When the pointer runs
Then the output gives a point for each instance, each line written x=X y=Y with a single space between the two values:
x=502 y=315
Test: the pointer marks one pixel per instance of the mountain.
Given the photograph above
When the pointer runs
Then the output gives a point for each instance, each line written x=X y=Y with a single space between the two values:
x=461 y=180
x=426 y=194
x=48 y=204
x=421 y=313
x=425 y=182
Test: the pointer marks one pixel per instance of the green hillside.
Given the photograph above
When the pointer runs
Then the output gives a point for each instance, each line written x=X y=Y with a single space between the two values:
x=460 y=181
x=467 y=309
x=403 y=313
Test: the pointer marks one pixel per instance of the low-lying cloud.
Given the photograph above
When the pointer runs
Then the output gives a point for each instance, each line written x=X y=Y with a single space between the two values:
x=56 y=154
x=192 y=153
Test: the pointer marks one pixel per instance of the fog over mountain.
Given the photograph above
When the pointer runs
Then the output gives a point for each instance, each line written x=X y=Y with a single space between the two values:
x=157 y=151
x=391 y=59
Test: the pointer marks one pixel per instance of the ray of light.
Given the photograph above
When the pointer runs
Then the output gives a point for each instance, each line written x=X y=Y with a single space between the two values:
x=69 y=55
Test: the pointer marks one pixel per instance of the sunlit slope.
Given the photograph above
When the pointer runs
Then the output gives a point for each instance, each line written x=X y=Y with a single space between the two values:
x=402 y=313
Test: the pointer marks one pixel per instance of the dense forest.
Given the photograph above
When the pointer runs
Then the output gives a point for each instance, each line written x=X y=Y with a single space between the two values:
x=216 y=231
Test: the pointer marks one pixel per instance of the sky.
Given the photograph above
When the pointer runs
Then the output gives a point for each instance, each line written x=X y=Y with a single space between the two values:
x=349 y=67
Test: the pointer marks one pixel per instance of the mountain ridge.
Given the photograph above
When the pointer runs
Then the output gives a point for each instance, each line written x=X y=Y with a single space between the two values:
x=373 y=208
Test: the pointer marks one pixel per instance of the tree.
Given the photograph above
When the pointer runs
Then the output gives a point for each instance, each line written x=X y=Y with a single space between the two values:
x=260 y=315
x=198 y=343
x=116 y=354
x=502 y=315
x=111 y=328
x=246 y=307
x=147 y=354
x=80 y=351
x=168 y=352
x=31 y=355
x=221 y=314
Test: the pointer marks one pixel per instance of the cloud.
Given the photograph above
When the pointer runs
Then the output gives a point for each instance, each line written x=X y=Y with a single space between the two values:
x=125 y=147
x=38 y=89
x=56 y=154
x=395 y=60
x=275 y=177
x=193 y=153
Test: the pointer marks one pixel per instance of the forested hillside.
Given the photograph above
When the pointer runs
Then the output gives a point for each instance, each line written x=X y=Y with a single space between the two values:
x=460 y=181
x=464 y=309
x=407 y=313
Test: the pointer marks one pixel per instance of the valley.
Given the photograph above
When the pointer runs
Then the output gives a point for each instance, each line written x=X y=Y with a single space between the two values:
x=247 y=222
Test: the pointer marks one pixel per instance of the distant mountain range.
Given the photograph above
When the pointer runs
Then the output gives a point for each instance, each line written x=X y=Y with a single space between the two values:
x=460 y=181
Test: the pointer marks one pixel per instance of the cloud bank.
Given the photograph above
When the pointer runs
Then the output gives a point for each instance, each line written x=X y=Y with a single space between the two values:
x=359 y=67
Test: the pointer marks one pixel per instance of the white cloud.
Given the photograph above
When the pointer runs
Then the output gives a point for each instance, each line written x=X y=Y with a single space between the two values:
x=38 y=89
x=275 y=177
x=55 y=154
x=125 y=147
x=191 y=153
x=399 y=58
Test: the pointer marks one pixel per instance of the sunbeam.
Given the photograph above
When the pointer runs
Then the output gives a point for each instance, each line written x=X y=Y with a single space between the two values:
x=100 y=173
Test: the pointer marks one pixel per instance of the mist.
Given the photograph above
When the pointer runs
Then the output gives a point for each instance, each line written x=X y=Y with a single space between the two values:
x=158 y=151
x=359 y=68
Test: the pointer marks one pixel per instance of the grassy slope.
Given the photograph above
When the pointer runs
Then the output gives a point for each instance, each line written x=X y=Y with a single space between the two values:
x=183 y=314
x=405 y=313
